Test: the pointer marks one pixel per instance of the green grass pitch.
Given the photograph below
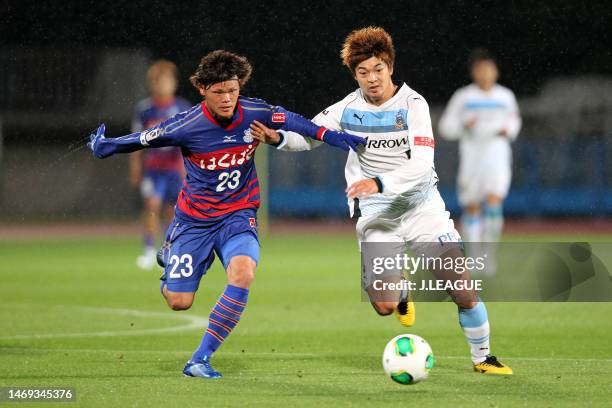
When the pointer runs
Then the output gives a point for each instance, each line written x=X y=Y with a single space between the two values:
x=77 y=313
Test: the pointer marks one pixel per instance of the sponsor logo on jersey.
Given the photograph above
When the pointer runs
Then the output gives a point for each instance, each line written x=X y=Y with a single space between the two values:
x=148 y=135
x=252 y=222
x=229 y=139
x=278 y=117
x=424 y=141
x=248 y=136
x=228 y=157
x=388 y=143
x=399 y=120
x=359 y=117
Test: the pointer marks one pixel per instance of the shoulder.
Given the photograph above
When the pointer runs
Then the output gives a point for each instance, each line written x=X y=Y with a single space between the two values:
x=414 y=100
x=143 y=105
x=183 y=103
x=338 y=107
x=464 y=91
x=249 y=103
x=183 y=119
x=504 y=91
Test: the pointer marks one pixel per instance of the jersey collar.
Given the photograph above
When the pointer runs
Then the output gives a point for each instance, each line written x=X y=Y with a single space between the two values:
x=401 y=88
x=236 y=119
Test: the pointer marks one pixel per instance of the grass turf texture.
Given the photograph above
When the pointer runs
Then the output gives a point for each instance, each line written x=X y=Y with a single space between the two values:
x=305 y=339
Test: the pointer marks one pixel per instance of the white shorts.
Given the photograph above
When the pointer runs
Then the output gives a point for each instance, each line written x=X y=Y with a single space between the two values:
x=483 y=170
x=426 y=230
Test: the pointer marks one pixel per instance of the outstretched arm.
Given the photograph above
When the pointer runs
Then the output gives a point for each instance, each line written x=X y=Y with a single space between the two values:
x=292 y=122
x=168 y=133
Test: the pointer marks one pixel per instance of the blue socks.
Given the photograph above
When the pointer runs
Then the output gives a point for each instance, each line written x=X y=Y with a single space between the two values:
x=224 y=316
x=475 y=325
x=493 y=223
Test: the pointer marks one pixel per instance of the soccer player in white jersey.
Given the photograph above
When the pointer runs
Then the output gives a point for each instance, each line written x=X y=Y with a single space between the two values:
x=484 y=116
x=392 y=181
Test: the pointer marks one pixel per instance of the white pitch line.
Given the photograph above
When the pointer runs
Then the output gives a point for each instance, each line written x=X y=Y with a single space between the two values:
x=193 y=322
x=286 y=354
x=173 y=352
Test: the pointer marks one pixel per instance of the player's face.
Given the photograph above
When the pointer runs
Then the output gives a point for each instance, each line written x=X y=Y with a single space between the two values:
x=374 y=78
x=485 y=74
x=163 y=85
x=221 y=98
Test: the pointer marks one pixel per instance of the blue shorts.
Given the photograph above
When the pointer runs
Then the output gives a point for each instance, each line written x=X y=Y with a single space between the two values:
x=190 y=249
x=164 y=185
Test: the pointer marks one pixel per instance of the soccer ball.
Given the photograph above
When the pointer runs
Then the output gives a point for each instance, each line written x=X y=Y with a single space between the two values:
x=407 y=359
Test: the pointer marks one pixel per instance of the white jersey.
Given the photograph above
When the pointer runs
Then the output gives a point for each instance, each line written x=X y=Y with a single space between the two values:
x=485 y=155
x=399 y=150
x=494 y=111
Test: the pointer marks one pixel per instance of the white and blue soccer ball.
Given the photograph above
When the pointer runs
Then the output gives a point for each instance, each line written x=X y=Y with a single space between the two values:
x=407 y=359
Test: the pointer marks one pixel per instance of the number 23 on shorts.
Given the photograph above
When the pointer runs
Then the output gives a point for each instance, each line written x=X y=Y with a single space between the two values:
x=185 y=262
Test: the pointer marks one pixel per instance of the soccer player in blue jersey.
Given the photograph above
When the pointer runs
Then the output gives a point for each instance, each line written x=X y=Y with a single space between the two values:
x=217 y=205
x=157 y=172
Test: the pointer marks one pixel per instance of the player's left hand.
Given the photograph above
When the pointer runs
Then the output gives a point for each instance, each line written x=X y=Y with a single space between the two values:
x=362 y=189
x=95 y=139
x=343 y=140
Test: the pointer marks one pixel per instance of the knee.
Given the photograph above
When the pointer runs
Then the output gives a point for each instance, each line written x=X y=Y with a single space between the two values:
x=466 y=304
x=384 y=308
x=153 y=205
x=241 y=271
x=472 y=209
x=179 y=302
x=494 y=200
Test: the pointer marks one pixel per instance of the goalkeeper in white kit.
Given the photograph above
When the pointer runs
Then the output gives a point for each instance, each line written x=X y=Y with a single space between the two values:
x=392 y=184
x=484 y=116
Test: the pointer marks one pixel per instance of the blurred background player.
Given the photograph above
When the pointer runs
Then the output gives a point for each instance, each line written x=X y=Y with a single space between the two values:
x=157 y=172
x=484 y=116
x=392 y=183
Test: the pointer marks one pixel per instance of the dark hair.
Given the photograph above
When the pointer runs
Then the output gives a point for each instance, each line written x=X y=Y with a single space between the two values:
x=367 y=43
x=219 y=66
x=480 y=54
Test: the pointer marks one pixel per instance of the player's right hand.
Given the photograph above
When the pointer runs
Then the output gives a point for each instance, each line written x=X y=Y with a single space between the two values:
x=469 y=125
x=342 y=140
x=95 y=139
x=263 y=133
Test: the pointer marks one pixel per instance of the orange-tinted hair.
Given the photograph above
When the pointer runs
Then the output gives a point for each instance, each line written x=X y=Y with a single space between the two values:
x=366 y=43
x=162 y=66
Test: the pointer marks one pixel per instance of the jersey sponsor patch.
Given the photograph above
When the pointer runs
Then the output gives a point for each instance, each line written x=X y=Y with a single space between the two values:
x=278 y=117
x=424 y=141
x=252 y=222
x=226 y=158
x=387 y=143
x=148 y=135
